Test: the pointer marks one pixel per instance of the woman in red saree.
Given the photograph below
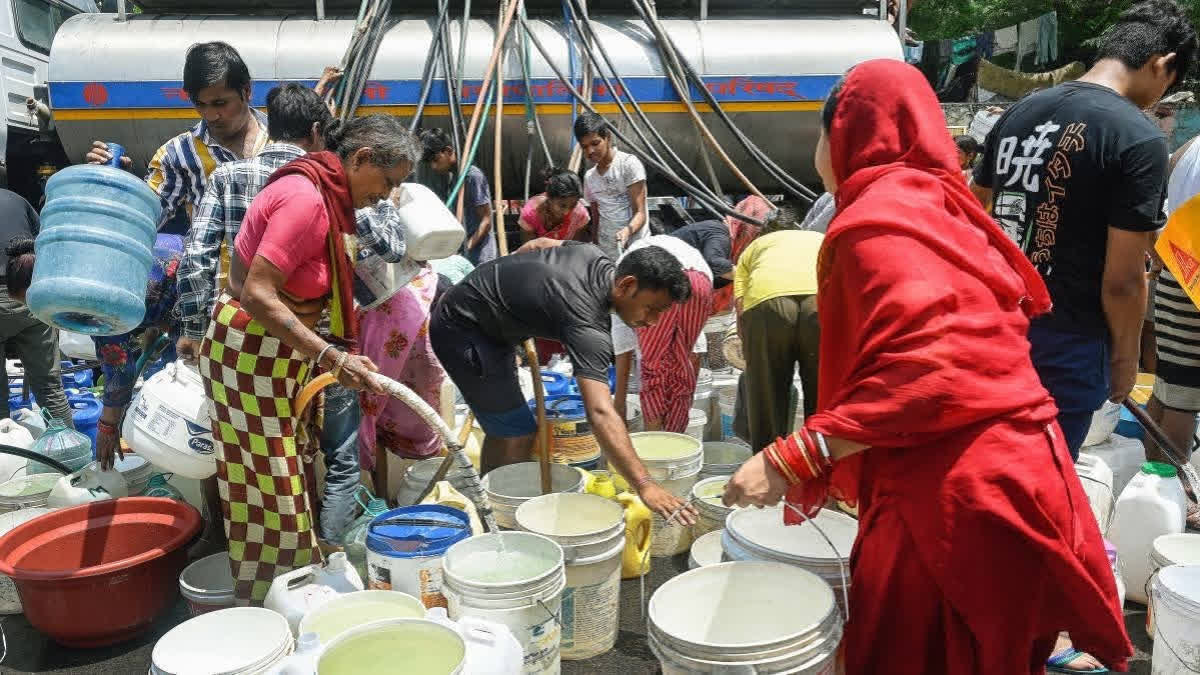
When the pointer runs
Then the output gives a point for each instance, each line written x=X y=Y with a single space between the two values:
x=976 y=545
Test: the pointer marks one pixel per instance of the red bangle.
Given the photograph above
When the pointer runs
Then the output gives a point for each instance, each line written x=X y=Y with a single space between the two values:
x=776 y=457
x=106 y=428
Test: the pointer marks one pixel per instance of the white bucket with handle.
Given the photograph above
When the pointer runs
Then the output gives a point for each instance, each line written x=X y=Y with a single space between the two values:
x=1176 y=593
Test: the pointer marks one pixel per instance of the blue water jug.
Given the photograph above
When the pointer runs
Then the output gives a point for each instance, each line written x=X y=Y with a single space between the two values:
x=555 y=384
x=79 y=379
x=95 y=249
x=85 y=413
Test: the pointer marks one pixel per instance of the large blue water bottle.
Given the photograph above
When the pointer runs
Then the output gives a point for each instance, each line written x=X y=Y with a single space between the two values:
x=95 y=249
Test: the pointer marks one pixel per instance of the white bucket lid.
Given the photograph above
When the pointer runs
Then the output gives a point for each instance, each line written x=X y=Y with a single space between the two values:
x=1182 y=584
x=223 y=642
x=775 y=603
x=763 y=530
x=706 y=550
x=1176 y=549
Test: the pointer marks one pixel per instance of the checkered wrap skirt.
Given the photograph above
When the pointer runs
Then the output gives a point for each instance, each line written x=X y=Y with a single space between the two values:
x=251 y=380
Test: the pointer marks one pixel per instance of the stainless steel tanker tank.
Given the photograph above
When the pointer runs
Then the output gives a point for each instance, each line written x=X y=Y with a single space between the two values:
x=121 y=80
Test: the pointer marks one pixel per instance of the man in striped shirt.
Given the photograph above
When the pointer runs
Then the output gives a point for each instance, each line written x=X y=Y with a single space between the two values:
x=217 y=82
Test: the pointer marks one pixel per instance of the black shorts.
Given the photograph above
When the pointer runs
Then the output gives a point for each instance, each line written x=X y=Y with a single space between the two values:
x=485 y=372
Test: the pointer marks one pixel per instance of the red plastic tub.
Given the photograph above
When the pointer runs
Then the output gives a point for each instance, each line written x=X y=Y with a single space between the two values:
x=98 y=574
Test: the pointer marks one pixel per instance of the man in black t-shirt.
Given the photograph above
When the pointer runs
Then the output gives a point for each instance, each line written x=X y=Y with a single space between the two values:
x=1076 y=175
x=567 y=293
x=711 y=238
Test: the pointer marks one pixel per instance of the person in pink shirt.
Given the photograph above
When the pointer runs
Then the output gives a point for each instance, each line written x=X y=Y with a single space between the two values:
x=556 y=213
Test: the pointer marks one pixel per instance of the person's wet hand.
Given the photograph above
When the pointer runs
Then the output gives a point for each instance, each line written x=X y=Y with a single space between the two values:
x=108 y=446
x=756 y=483
x=188 y=349
x=1124 y=376
x=99 y=154
x=666 y=504
x=356 y=374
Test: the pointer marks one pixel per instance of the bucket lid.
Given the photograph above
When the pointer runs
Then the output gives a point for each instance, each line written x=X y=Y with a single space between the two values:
x=1177 y=549
x=763 y=529
x=1159 y=469
x=1182 y=582
x=248 y=638
x=417 y=531
x=663 y=446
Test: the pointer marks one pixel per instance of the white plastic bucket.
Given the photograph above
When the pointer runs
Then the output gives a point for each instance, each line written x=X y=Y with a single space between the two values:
x=697 y=421
x=207 y=584
x=10 y=600
x=724 y=458
x=674 y=462
x=745 y=617
x=714 y=333
x=591 y=531
x=421 y=645
x=352 y=610
x=137 y=472
x=417 y=477
x=1167 y=550
x=1097 y=479
x=706 y=550
x=405 y=548
x=508 y=487
x=759 y=534
x=706 y=496
x=1176 y=593
x=235 y=641
x=520 y=588
x=727 y=404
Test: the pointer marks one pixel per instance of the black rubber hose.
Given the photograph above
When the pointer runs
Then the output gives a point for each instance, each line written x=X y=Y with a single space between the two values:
x=36 y=457
x=590 y=39
x=537 y=121
x=427 y=73
x=453 y=86
x=664 y=38
x=718 y=209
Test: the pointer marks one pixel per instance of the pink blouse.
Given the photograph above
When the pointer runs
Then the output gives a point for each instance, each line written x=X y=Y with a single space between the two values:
x=531 y=216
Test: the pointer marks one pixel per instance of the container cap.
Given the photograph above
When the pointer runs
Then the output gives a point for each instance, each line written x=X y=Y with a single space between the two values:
x=417 y=531
x=1159 y=469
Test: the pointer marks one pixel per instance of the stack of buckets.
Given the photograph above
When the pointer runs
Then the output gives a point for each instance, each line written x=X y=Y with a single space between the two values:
x=674 y=462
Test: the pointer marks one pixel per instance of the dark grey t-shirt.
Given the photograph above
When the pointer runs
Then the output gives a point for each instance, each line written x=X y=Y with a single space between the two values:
x=556 y=294
x=17 y=219
x=477 y=193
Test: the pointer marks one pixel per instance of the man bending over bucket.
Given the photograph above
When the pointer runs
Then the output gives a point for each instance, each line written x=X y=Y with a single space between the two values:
x=566 y=293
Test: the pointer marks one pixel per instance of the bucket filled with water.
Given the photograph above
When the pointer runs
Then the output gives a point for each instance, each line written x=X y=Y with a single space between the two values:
x=508 y=487
x=674 y=462
x=745 y=617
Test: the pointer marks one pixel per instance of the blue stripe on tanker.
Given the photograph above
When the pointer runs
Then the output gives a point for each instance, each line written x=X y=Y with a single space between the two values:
x=732 y=89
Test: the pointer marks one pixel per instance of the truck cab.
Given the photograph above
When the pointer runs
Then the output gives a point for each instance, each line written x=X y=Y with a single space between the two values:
x=27 y=30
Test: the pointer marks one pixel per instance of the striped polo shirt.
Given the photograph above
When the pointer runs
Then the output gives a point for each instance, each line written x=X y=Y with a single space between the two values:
x=179 y=171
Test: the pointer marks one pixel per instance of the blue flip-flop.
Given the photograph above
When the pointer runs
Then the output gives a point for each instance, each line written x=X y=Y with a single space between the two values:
x=1059 y=662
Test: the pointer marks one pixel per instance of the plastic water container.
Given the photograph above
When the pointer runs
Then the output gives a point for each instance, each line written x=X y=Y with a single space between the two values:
x=673 y=461
x=17 y=436
x=706 y=496
x=76 y=379
x=1153 y=504
x=519 y=586
x=1104 y=422
x=1123 y=455
x=431 y=231
x=745 y=617
x=405 y=548
x=137 y=472
x=85 y=486
x=85 y=413
x=239 y=640
x=76 y=346
x=60 y=443
x=1176 y=594
x=706 y=550
x=10 y=600
x=168 y=423
x=555 y=384
x=1167 y=550
x=697 y=421
x=95 y=249
x=1097 y=480
x=591 y=531
x=296 y=593
x=351 y=610
x=207 y=584
x=31 y=420
x=508 y=487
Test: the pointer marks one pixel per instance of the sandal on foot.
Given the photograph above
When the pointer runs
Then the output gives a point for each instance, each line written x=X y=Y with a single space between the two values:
x=1059 y=662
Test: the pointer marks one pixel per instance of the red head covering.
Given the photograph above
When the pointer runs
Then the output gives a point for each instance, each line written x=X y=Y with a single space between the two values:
x=325 y=170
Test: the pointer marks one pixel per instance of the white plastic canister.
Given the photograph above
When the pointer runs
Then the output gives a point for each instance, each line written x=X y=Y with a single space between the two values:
x=1097 y=479
x=745 y=617
x=674 y=462
x=508 y=487
x=1176 y=593
x=1167 y=550
x=405 y=548
x=518 y=583
x=706 y=496
x=168 y=423
x=17 y=436
x=294 y=594
x=591 y=531
x=1153 y=504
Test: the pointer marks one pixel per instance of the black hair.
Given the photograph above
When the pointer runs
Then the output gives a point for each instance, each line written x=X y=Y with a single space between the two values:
x=211 y=64
x=19 y=272
x=656 y=270
x=562 y=183
x=434 y=141
x=831 y=103
x=1149 y=29
x=388 y=138
x=591 y=123
x=967 y=144
x=292 y=110
x=784 y=217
